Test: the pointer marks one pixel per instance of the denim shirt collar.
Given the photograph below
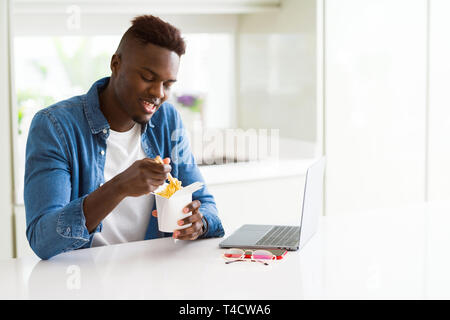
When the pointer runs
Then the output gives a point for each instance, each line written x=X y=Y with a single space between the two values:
x=96 y=119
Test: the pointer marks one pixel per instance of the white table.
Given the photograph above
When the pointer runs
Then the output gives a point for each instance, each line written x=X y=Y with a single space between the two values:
x=401 y=253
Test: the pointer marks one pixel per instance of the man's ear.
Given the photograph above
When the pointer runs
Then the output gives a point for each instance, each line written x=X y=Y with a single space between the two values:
x=115 y=63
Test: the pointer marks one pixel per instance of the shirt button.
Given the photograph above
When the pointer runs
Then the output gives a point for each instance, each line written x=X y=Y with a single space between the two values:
x=102 y=152
x=105 y=131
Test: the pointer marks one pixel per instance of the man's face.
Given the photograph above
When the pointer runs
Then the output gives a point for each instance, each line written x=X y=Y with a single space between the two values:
x=142 y=77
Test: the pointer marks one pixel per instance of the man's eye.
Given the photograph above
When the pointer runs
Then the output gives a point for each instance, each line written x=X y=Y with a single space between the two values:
x=146 y=80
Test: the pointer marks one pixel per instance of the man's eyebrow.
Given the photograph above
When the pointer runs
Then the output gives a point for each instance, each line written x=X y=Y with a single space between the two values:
x=156 y=74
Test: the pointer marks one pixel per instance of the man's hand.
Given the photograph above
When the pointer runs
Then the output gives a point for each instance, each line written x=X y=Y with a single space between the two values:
x=196 y=229
x=142 y=177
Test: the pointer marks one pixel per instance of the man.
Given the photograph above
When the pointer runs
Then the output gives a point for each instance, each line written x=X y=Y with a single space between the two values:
x=90 y=163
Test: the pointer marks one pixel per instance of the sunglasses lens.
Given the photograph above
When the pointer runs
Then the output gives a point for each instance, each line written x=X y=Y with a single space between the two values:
x=233 y=254
x=262 y=255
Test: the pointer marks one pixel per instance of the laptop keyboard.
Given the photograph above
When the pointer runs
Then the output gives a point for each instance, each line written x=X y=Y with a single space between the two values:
x=280 y=236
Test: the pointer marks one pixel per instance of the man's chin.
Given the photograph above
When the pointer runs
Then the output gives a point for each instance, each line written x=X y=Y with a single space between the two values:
x=143 y=120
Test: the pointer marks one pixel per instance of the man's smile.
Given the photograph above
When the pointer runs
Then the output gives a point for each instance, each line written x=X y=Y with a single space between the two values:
x=148 y=106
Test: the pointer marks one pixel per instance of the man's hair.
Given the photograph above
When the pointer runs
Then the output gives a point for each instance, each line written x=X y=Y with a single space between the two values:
x=151 y=29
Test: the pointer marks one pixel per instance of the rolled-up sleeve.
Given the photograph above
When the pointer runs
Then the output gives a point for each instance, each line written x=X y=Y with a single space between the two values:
x=55 y=223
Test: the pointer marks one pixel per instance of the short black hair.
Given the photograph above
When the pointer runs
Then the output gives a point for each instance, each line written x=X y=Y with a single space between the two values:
x=151 y=29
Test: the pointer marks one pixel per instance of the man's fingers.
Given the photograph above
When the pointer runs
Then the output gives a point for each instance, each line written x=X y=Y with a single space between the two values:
x=192 y=236
x=156 y=174
x=154 y=182
x=191 y=219
x=190 y=233
x=155 y=213
x=159 y=169
x=153 y=166
x=192 y=206
x=187 y=236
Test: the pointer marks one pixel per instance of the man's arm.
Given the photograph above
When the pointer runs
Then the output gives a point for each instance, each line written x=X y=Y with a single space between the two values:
x=54 y=223
x=101 y=202
x=142 y=177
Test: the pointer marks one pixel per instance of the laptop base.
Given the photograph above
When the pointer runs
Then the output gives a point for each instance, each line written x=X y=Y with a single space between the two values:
x=249 y=235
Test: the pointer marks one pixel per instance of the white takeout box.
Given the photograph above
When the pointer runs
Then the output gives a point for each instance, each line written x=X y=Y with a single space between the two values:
x=170 y=210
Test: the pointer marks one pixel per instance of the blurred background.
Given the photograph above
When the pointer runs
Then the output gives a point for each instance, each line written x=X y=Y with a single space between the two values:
x=363 y=82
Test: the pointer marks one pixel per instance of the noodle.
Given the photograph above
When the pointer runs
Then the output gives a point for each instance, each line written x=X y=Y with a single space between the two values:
x=171 y=188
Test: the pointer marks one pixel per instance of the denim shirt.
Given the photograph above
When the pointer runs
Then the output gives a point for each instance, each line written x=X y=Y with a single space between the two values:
x=65 y=160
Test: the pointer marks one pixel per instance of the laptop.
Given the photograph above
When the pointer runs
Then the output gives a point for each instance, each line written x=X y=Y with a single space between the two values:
x=291 y=238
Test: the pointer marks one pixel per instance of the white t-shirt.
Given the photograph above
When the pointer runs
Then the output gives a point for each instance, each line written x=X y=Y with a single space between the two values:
x=129 y=220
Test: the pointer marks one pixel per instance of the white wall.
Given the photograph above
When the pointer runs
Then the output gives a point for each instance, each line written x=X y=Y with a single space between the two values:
x=249 y=202
x=375 y=103
x=115 y=24
x=439 y=102
x=277 y=70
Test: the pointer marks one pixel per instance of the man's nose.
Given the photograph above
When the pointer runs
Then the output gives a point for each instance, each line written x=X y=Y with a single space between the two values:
x=157 y=90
